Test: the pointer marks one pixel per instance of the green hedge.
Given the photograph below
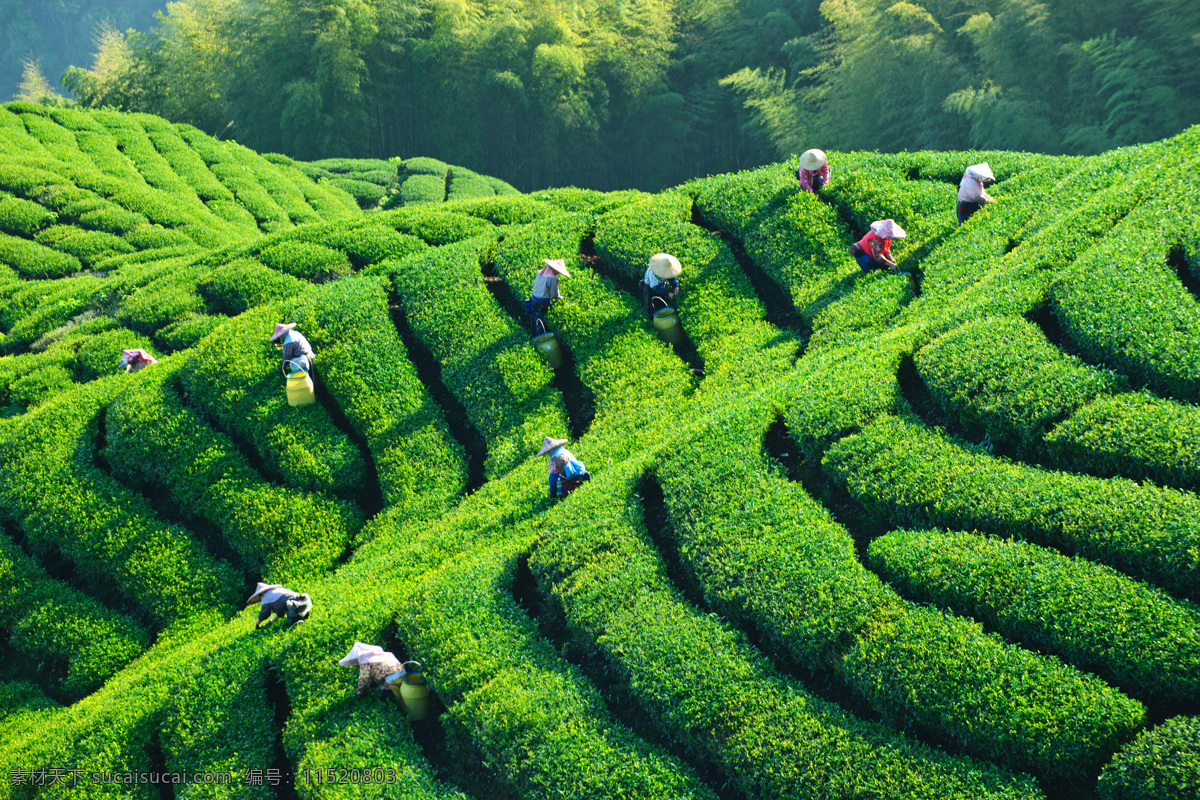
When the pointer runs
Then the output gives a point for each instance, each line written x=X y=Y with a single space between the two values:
x=1133 y=435
x=486 y=360
x=367 y=195
x=769 y=558
x=1086 y=613
x=911 y=476
x=90 y=247
x=635 y=378
x=1001 y=375
x=421 y=469
x=590 y=200
x=365 y=245
x=697 y=682
x=423 y=189
x=1162 y=764
x=305 y=260
x=465 y=184
x=941 y=674
x=435 y=226
x=796 y=239
x=540 y=726
x=281 y=534
x=244 y=284
x=24 y=218
x=182 y=159
x=50 y=486
x=223 y=722
x=234 y=376
x=47 y=621
x=717 y=305
x=34 y=260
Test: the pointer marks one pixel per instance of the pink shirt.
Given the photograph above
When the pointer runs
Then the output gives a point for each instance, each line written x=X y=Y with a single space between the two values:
x=806 y=176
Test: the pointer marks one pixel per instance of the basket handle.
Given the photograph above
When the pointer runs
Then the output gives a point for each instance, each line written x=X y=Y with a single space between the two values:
x=293 y=361
x=541 y=322
x=406 y=663
x=659 y=299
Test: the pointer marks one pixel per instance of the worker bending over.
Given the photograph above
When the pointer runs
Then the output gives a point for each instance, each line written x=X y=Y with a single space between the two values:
x=376 y=667
x=874 y=251
x=281 y=602
x=545 y=291
x=567 y=473
x=661 y=282
x=297 y=352
x=971 y=194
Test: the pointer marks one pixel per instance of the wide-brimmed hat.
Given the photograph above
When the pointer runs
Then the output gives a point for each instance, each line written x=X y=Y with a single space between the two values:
x=280 y=330
x=136 y=354
x=812 y=159
x=981 y=171
x=262 y=589
x=887 y=229
x=549 y=444
x=558 y=265
x=363 y=653
x=665 y=265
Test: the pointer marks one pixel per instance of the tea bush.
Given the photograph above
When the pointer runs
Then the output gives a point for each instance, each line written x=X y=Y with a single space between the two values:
x=1084 y=612
x=913 y=477
x=47 y=621
x=1003 y=376
x=1138 y=436
x=644 y=649
x=1162 y=764
x=486 y=360
x=234 y=377
x=50 y=486
x=154 y=440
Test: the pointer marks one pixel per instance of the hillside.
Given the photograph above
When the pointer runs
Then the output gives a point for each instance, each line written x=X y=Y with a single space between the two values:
x=857 y=536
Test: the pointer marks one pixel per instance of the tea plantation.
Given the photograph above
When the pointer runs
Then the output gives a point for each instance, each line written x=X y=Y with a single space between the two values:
x=859 y=536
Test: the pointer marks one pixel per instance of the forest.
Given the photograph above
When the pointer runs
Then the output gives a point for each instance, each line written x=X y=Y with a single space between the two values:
x=649 y=93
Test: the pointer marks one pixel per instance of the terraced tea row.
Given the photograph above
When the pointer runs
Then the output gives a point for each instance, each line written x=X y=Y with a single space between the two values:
x=696 y=621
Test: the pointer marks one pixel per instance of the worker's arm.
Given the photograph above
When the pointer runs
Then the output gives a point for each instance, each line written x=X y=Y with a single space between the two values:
x=878 y=254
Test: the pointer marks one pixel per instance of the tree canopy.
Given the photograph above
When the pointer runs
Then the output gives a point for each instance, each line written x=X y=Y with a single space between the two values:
x=647 y=93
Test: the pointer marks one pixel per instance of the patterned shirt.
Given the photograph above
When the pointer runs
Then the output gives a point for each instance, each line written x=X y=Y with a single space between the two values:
x=806 y=176
x=295 y=346
x=653 y=281
x=372 y=675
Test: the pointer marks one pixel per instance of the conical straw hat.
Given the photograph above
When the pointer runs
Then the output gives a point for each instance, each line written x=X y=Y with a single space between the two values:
x=558 y=265
x=280 y=330
x=549 y=444
x=665 y=265
x=812 y=159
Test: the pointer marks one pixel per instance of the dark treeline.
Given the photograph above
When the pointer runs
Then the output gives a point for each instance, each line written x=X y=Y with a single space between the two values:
x=647 y=93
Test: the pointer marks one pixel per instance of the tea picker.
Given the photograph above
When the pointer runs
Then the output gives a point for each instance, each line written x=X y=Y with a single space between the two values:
x=567 y=473
x=971 y=194
x=376 y=667
x=297 y=363
x=813 y=172
x=281 y=602
x=874 y=251
x=135 y=360
x=660 y=285
x=545 y=292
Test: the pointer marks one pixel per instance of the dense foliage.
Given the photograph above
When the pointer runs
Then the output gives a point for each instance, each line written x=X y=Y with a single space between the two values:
x=653 y=92
x=724 y=610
